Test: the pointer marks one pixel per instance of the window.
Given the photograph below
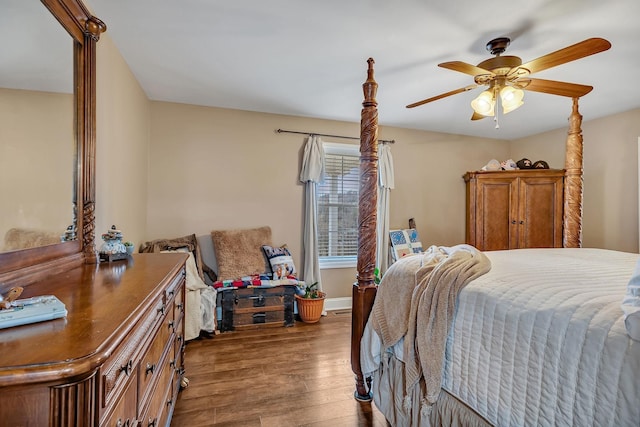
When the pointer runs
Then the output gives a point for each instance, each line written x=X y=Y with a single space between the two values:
x=338 y=198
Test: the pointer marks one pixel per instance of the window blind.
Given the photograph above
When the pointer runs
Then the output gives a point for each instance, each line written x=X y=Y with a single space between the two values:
x=338 y=198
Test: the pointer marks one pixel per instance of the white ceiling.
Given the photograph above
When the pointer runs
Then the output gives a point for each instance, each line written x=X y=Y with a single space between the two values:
x=308 y=58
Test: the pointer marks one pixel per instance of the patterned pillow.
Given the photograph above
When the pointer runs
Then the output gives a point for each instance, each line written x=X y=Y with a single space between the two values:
x=281 y=261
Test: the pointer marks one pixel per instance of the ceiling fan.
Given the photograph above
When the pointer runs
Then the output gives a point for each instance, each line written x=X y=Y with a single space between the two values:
x=506 y=77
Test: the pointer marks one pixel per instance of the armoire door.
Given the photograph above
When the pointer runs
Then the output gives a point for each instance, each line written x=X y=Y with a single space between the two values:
x=495 y=208
x=540 y=212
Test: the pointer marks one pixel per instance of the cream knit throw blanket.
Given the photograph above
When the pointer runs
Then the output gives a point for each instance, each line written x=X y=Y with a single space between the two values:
x=416 y=299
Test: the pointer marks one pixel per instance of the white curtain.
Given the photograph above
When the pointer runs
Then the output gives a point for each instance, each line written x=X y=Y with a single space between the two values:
x=311 y=173
x=385 y=185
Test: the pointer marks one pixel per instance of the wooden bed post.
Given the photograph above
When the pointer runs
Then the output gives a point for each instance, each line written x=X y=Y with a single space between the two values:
x=364 y=289
x=573 y=181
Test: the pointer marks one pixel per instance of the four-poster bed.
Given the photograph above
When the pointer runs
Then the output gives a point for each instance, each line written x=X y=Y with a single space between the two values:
x=546 y=368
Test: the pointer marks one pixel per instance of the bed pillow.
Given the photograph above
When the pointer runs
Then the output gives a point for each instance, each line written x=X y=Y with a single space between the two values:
x=238 y=252
x=280 y=261
x=631 y=305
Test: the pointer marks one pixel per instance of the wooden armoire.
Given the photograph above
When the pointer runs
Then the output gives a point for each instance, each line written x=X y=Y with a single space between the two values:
x=514 y=209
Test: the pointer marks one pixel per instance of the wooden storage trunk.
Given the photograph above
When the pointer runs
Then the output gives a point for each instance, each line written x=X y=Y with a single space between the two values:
x=253 y=307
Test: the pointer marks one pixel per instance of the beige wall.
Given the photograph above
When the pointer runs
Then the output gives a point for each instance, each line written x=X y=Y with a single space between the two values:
x=610 y=199
x=122 y=139
x=166 y=170
x=213 y=168
x=36 y=183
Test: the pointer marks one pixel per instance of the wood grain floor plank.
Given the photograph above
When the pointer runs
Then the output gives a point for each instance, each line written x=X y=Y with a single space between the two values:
x=274 y=377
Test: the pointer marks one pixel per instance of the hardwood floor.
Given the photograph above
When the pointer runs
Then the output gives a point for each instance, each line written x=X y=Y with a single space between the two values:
x=274 y=377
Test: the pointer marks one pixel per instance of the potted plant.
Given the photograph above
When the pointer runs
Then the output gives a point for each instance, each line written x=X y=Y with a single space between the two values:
x=311 y=304
x=129 y=246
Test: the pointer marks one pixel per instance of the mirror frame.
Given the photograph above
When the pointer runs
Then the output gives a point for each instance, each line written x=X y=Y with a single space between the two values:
x=24 y=267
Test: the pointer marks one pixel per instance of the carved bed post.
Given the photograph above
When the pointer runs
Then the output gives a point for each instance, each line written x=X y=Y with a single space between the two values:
x=573 y=181
x=364 y=290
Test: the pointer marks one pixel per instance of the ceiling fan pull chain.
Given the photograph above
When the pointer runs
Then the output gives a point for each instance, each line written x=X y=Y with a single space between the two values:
x=496 y=109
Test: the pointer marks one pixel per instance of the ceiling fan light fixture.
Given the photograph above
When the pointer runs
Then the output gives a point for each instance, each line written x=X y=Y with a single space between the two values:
x=511 y=98
x=484 y=103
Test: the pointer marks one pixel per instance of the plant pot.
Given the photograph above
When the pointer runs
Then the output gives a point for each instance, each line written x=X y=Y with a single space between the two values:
x=310 y=309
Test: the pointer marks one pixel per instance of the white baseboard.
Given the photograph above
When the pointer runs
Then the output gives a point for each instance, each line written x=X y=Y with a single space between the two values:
x=342 y=303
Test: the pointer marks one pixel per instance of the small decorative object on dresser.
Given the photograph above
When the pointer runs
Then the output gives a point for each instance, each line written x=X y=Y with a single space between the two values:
x=113 y=249
x=311 y=304
x=129 y=247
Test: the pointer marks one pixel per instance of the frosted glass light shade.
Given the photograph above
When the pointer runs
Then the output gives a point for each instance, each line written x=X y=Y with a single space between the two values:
x=484 y=103
x=511 y=98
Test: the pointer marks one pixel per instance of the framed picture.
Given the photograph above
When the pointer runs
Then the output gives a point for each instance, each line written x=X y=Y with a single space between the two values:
x=404 y=242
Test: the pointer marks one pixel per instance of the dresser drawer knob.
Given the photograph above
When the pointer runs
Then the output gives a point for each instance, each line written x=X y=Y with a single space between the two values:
x=161 y=309
x=127 y=423
x=150 y=368
x=152 y=422
x=172 y=363
x=126 y=368
x=170 y=324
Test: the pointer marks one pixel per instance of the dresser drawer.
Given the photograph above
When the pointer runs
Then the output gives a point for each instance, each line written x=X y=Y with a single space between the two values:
x=125 y=412
x=124 y=361
x=149 y=368
x=175 y=287
x=156 y=412
x=178 y=306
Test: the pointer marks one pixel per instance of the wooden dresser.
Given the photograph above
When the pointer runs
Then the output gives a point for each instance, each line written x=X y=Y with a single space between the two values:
x=514 y=209
x=115 y=360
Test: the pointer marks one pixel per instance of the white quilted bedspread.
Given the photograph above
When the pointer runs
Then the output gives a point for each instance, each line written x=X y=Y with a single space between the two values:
x=519 y=353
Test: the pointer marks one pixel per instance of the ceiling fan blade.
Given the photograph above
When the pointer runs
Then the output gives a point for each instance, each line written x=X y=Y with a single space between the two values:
x=442 y=95
x=572 y=90
x=476 y=116
x=465 y=68
x=571 y=53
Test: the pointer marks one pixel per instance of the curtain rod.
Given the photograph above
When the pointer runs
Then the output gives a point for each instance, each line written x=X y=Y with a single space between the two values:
x=384 y=141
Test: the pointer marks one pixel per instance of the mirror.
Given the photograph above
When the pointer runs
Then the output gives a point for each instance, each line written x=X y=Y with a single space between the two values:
x=81 y=31
x=37 y=142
